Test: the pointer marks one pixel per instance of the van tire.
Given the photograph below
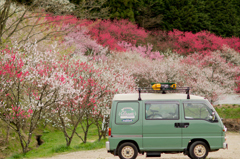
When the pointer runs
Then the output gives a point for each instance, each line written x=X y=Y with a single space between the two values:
x=189 y=156
x=127 y=150
x=198 y=150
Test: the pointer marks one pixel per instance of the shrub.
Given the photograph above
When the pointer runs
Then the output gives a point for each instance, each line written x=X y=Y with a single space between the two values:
x=144 y=51
x=109 y=33
x=202 y=42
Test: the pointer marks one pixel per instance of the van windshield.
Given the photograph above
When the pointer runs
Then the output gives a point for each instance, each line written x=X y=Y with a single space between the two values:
x=197 y=111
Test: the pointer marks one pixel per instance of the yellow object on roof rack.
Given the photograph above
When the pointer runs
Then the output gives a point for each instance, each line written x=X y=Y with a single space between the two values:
x=163 y=86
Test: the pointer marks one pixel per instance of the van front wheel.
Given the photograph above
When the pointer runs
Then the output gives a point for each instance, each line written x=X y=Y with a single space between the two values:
x=127 y=150
x=198 y=150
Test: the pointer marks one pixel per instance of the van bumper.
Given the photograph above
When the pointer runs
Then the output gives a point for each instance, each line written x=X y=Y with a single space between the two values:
x=225 y=145
x=108 y=145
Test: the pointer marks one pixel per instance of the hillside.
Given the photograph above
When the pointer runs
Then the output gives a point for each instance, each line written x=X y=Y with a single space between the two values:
x=220 y=17
x=61 y=70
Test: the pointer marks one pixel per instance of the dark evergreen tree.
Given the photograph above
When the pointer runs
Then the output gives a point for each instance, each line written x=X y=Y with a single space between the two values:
x=181 y=15
x=27 y=2
x=121 y=9
x=223 y=16
x=146 y=13
x=236 y=4
x=203 y=18
x=75 y=1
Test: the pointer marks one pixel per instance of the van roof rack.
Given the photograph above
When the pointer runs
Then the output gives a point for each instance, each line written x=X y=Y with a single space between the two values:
x=163 y=88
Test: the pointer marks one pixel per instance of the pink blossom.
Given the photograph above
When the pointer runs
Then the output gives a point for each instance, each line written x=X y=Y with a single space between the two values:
x=30 y=111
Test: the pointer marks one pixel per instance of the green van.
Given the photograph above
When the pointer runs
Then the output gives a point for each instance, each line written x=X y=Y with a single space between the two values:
x=163 y=122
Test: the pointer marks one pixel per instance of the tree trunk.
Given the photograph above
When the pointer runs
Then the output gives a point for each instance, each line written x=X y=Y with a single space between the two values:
x=7 y=136
x=24 y=146
x=69 y=142
x=100 y=137
x=85 y=136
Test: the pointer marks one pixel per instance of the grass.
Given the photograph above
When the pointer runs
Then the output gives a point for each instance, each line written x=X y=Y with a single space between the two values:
x=54 y=143
x=46 y=151
x=228 y=111
x=13 y=144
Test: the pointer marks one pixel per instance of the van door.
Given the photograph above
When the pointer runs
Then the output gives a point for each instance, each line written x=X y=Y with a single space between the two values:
x=200 y=124
x=161 y=129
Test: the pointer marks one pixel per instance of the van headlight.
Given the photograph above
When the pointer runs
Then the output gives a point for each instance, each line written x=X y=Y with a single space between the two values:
x=225 y=129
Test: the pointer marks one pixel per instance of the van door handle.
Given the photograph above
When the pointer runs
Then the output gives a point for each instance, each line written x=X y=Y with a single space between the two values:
x=185 y=125
x=177 y=125
x=181 y=125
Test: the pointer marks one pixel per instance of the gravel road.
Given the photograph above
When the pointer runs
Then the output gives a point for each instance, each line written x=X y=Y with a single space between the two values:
x=233 y=152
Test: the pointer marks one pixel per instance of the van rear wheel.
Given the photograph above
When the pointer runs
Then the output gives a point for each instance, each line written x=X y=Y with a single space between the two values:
x=198 y=150
x=127 y=150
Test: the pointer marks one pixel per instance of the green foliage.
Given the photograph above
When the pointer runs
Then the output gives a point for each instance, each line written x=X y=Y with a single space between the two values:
x=121 y=9
x=61 y=148
x=12 y=146
x=229 y=111
x=75 y=1
x=16 y=156
x=82 y=146
x=181 y=15
x=90 y=146
x=28 y=2
x=147 y=13
x=221 y=17
x=54 y=142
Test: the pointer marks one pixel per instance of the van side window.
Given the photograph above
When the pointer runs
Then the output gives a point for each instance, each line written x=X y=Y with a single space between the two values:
x=127 y=112
x=162 y=111
x=197 y=111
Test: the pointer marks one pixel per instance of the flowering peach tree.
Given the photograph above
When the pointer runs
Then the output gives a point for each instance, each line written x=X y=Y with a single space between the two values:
x=31 y=82
x=109 y=33
x=94 y=84
x=78 y=106
x=83 y=43
x=202 y=42
x=208 y=76
x=145 y=51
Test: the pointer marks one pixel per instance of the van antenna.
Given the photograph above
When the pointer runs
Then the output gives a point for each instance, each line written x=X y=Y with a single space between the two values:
x=187 y=92
x=139 y=90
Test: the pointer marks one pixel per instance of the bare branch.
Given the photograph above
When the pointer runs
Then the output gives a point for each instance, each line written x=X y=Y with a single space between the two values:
x=20 y=20
x=78 y=135
x=4 y=13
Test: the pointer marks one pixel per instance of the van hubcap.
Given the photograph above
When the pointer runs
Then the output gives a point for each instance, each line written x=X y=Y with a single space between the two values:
x=199 y=150
x=127 y=152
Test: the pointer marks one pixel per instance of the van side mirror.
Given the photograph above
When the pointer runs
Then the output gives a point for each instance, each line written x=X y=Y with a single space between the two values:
x=213 y=116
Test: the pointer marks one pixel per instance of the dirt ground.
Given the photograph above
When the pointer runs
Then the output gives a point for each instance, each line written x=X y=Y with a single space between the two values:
x=233 y=152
